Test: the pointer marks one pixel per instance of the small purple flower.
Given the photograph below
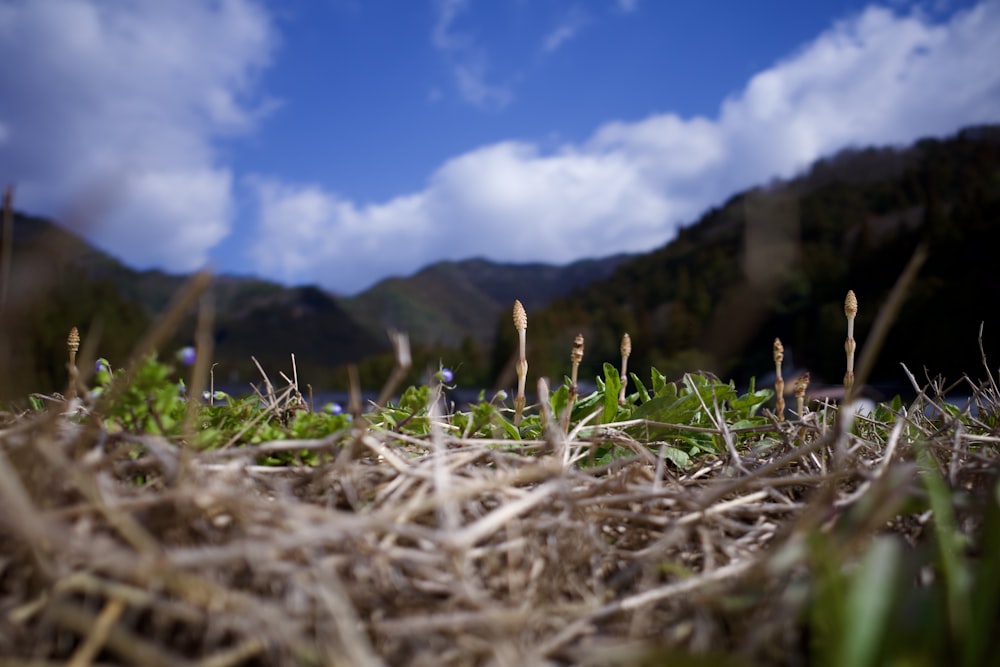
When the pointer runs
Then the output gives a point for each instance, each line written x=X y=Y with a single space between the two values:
x=446 y=376
x=187 y=355
x=333 y=408
x=102 y=366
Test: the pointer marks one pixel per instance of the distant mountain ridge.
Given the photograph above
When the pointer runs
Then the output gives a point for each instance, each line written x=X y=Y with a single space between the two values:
x=441 y=305
x=447 y=302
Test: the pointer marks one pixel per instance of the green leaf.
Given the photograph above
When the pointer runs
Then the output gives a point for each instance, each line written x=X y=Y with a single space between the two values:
x=590 y=402
x=559 y=400
x=868 y=603
x=748 y=404
x=640 y=387
x=671 y=409
x=612 y=384
x=986 y=588
x=508 y=427
x=678 y=457
x=660 y=383
x=957 y=578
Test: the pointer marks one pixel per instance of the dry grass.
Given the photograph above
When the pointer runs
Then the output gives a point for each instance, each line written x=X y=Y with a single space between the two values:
x=437 y=551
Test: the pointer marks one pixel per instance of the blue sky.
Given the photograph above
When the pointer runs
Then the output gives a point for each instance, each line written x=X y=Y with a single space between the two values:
x=342 y=141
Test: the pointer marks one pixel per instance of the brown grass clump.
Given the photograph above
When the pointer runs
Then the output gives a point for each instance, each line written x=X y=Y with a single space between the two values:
x=437 y=551
x=122 y=548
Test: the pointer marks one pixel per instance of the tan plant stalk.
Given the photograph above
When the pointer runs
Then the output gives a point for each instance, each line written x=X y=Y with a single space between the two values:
x=779 y=382
x=575 y=357
x=851 y=311
x=800 y=393
x=521 y=324
x=73 y=345
x=626 y=351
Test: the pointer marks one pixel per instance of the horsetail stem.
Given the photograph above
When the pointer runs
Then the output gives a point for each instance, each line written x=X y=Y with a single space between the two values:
x=626 y=350
x=801 y=385
x=521 y=324
x=851 y=311
x=779 y=382
x=575 y=356
x=73 y=345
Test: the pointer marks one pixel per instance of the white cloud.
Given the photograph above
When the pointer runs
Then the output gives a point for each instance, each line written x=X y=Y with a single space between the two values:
x=443 y=36
x=878 y=77
x=468 y=59
x=113 y=110
x=567 y=29
x=306 y=231
x=470 y=77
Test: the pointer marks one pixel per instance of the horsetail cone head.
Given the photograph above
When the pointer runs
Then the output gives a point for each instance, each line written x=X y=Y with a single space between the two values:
x=851 y=304
x=802 y=384
x=73 y=340
x=779 y=351
x=520 y=317
x=576 y=356
x=626 y=345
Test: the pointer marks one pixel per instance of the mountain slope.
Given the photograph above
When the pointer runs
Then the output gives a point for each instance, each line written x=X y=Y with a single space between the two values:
x=442 y=305
x=46 y=293
x=777 y=262
x=448 y=302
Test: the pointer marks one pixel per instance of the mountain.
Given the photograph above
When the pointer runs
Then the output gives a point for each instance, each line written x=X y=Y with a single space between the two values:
x=44 y=292
x=448 y=302
x=442 y=306
x=58 y=281
x=772 y=261
x=777 y=261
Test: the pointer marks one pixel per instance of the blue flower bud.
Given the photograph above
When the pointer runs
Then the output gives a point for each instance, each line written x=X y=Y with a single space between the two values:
x=187 y=355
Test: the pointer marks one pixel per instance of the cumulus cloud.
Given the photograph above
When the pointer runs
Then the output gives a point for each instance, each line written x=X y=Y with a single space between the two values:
x=114 y=108
x=877 y=77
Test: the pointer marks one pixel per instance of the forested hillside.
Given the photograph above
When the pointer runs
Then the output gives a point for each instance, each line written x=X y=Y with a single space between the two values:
x=777 y=261
x=45 y=292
